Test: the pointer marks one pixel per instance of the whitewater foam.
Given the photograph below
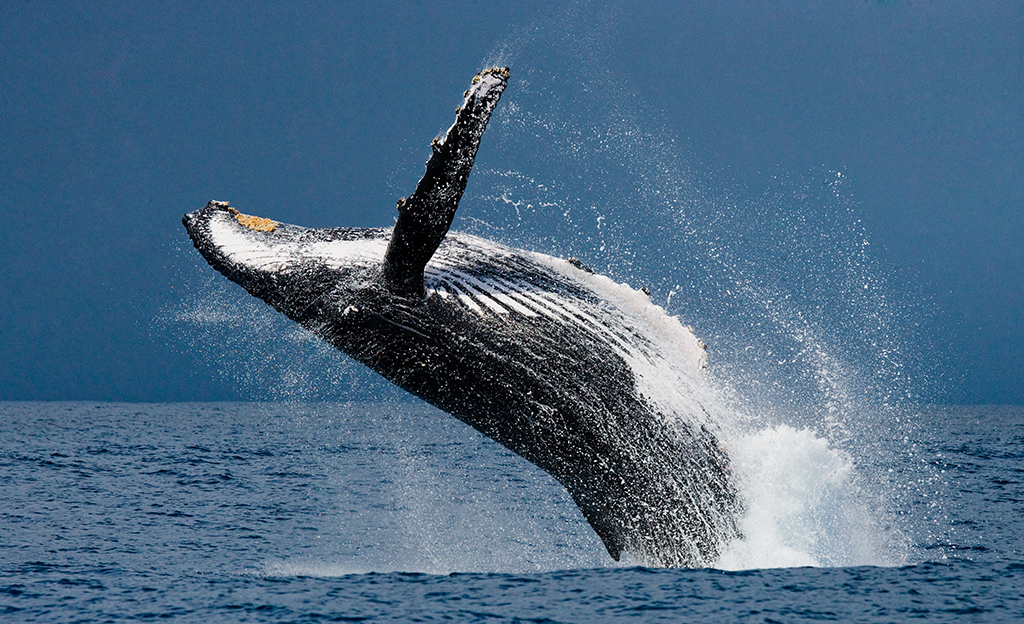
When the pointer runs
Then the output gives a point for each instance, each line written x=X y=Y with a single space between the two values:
x=803 y=505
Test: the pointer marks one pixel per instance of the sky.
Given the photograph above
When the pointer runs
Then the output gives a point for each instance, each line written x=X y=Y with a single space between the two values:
x=853 y=169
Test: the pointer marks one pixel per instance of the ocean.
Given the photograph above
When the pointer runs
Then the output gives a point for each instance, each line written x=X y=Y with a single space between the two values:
x=309 y=512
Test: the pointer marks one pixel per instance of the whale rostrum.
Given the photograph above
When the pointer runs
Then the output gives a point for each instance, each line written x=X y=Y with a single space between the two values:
x=580 y=375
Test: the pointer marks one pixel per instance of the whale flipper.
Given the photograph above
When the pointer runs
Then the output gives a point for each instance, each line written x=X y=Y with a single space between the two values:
x=583 y=377
x=425 y=216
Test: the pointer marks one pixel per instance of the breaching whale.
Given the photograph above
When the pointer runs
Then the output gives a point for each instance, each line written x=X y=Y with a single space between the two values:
x=582 y=376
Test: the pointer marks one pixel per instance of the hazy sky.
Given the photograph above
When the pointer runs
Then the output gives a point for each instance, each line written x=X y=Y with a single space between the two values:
x=813 y=144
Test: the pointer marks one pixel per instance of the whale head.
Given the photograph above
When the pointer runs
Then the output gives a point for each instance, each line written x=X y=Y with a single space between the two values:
x=298 y=271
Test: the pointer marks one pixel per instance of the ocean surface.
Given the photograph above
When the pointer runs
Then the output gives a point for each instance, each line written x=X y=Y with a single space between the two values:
x=292 y=512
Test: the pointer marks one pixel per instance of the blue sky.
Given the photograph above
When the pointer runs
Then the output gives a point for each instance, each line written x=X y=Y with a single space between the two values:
x=855 y=168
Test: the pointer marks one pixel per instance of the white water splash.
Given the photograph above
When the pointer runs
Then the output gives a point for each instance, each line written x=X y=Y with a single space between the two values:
x=805 y=337
x=803 y=505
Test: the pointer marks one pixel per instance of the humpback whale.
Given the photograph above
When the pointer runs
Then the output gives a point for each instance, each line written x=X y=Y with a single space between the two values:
x=580 y=375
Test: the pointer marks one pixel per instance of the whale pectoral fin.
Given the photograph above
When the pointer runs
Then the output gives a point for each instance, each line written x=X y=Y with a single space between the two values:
x=425 y=216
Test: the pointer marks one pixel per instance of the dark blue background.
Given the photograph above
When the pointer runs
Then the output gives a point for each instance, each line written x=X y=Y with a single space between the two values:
x=117 y=118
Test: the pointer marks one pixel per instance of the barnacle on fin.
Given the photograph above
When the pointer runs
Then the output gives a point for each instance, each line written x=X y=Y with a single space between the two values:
x=500 y=71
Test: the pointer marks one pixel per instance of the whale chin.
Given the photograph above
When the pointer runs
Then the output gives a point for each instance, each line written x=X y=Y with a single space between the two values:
x=582 y=376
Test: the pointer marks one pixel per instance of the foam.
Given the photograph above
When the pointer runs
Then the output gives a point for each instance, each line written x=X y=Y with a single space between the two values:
x=803 y=505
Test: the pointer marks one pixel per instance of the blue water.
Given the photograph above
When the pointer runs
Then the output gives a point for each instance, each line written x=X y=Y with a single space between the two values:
x=394 y=511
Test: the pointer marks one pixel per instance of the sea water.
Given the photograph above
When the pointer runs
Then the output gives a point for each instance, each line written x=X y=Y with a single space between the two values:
x=396 y=511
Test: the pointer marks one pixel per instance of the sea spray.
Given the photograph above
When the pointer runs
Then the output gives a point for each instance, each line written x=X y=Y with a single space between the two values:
x=807 y=339
x=256 y=353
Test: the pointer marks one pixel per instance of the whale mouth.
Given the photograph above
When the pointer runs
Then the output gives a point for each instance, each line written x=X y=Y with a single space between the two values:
x=197 y=222
x=216 y=226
